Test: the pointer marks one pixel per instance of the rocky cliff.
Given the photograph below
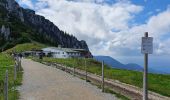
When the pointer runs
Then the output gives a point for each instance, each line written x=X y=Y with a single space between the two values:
x=23 y=25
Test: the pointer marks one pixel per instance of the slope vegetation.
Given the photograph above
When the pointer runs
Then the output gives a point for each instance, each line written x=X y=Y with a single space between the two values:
x=157 y=82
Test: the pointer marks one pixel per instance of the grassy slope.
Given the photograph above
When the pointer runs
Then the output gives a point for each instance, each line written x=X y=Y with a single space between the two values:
x=26 y=47
x=7 y=63
x=157 y=83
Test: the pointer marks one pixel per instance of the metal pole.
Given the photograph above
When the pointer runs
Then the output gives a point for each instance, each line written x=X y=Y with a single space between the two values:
x=6 y=86
x=86 y=68
x=102 y=76
x=145 y=75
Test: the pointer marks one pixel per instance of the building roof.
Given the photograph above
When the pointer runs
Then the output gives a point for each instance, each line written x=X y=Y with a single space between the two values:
x=61 y=49
x=80 y=50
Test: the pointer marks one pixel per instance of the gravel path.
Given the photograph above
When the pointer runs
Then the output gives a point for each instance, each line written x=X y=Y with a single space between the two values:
x=41 y=82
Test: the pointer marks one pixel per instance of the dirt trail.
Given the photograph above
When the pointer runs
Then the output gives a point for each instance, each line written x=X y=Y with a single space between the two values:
x=41 y=82
x=133 y=92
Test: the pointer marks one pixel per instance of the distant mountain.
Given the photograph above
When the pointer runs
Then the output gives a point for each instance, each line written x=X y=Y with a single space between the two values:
x=131 y=66
x=110 y=61
x=19 y=25
x=116 y=64
x=151 y=70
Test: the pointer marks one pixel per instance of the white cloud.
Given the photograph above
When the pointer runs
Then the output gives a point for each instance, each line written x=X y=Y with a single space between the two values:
x=106 y=28
x=90 y=21
x=163 y=47
x=91 y=1
x=160 y=24
x=128 y=41
x=27 y=3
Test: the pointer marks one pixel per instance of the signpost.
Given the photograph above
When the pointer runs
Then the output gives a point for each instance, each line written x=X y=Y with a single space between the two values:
x=147 y=48
x=147 y=44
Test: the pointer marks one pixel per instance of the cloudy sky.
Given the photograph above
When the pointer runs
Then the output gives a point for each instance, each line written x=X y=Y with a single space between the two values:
x=112 y=27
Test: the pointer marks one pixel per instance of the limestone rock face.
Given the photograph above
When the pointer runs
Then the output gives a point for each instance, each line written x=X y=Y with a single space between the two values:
x=44 y=26
x=40 y=25
x=11 y=5
x=5 y=32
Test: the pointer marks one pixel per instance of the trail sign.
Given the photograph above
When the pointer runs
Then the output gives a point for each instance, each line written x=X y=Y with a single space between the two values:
x=147 y=45
x=147 y=48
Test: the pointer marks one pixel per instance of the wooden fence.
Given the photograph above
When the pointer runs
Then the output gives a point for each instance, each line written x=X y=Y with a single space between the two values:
x=130 y=91
x=17 y=68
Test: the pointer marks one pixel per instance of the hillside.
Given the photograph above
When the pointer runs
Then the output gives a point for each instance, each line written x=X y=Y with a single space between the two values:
x=26 y=47
x=19 y=25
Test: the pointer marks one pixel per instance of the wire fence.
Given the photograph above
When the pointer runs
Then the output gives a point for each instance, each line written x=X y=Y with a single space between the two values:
x=100 y=74
x=9 y=83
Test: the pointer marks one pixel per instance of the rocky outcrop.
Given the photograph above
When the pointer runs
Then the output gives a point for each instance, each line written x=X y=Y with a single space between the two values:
x=5 y=31
x=42 y=26
x=11 y=5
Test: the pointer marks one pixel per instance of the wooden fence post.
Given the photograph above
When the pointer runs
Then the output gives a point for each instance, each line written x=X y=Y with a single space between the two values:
x=74 y=70
x=102 y=76
x=74 y=67
x=86 y=69
x=15 y=77
x=65 y=66
x=15 y=72
x=19 y=64
x=6 y=86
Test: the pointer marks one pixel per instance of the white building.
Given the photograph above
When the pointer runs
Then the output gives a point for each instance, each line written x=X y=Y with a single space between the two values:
x=61 y=52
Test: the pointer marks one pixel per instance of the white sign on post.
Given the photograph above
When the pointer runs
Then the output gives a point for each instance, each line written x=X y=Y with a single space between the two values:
x=147 y=45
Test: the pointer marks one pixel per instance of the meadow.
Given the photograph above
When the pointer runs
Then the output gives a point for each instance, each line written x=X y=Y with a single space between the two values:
x=26 y=47
x=157 y=82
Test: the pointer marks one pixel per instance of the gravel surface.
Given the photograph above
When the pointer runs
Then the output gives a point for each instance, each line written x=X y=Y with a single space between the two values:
x=41 y=82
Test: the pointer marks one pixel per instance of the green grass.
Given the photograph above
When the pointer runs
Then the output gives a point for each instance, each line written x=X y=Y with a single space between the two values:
x=7 y=63
x=157 y=82
x=26 y=47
